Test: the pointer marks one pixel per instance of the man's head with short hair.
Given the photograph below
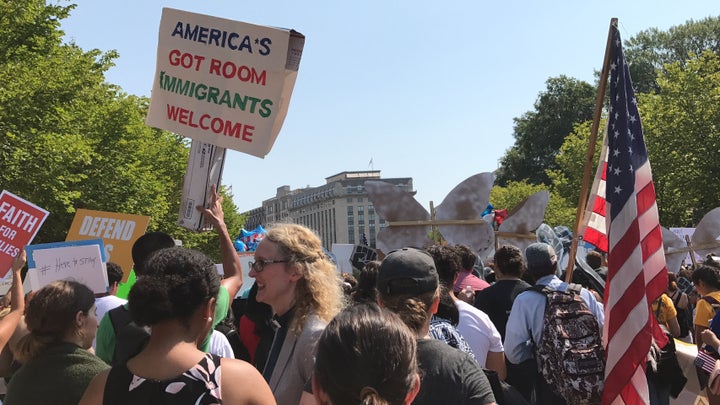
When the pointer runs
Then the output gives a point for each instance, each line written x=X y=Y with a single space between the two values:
x=508 y=261
x=468 y=258
x=114 y=275
x=447 y=264
x=594 y=259
x=408 y=285
x=146 y=245
x=540 y=260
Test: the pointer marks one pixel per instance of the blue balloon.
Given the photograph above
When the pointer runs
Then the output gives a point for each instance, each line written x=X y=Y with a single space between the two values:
x=239 y=245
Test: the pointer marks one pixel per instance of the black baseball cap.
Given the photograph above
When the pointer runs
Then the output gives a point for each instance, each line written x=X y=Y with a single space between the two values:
x=407 y=271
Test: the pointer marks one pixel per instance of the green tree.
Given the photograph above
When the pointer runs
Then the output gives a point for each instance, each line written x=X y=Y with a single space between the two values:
x=540 y=133
x=558 y=212
x=567 y=178
x=681 y=124
x=70 y=140
x=650 y=50
x=682 y=130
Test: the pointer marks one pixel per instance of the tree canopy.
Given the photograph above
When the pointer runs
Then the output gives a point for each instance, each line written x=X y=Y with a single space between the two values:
x=71 y=140
x=675 y=73
x=650 y=50
x=540 y=133
x=682 y=130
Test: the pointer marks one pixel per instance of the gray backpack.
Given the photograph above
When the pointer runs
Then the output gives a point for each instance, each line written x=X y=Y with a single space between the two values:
x=570 y=356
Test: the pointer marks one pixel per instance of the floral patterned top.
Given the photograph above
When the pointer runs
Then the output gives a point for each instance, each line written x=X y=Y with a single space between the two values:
x=199 y=385
x=442 y=329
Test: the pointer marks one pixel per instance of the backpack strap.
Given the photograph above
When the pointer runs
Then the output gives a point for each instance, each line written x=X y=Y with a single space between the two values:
x=676 y=296
x=573 y=288
x=714 y=304
x=130 y=338
x=659 y=306
x=542 y=289
x=119 y=317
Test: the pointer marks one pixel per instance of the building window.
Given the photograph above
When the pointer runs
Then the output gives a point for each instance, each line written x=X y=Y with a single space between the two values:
x=359 y=199
x=349 y=199
x=351 y=234
x=350 y=210
x=351 y=221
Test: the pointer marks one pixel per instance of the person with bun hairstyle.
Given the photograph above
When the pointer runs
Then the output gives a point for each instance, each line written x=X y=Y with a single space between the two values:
x=177 y=300
x=366 y=290
x=366 y=356
x=301 y=284
x=57 y=367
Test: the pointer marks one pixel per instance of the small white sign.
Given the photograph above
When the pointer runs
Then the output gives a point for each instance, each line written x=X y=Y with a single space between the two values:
x=77 y=260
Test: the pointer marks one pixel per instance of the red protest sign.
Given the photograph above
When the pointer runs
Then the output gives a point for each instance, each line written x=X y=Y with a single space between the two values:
x=19 y=222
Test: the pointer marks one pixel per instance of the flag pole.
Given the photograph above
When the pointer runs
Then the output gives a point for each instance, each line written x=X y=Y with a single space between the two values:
x=692 y=251
x=582 y=201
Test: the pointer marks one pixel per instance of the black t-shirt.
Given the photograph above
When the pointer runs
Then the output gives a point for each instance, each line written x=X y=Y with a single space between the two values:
x=449 y=376
x=497 y=300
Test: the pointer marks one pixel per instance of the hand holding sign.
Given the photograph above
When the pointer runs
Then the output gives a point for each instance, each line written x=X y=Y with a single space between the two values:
x=19 y=261
x=214 y=213
x=11 y=319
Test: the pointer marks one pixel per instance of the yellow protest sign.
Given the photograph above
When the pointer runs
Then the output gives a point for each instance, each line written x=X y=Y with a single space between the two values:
x=118 y=232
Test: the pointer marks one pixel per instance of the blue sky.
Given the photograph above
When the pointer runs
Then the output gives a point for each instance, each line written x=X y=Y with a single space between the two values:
x=426 y=90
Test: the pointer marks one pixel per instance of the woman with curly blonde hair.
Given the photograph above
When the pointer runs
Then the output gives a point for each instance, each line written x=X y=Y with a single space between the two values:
x=301 y=284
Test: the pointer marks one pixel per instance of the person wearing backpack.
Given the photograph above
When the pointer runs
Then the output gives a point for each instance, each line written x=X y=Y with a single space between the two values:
x=707 y=283
x=682 y=306
x=528 y=337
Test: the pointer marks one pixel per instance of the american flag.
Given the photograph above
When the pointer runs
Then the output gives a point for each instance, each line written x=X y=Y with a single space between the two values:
x=594 y=228
x=636 y=261
x=705 y=361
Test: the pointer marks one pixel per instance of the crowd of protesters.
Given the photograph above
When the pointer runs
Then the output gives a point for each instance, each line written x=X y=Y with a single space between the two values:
x=420 y=326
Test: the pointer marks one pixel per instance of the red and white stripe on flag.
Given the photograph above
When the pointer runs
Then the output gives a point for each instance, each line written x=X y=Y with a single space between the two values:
x=593 y=229
x=637 y=274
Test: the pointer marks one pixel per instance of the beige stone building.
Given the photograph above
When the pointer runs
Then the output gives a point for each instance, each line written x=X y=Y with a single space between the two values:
x=339 y=210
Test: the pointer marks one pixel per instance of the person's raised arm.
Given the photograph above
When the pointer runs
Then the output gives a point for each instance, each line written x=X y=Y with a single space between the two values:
x=17 y=301
x=232 y=268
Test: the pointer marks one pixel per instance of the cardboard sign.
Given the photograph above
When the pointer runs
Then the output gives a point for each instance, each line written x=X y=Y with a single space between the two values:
x=20 y=221
x=204 y=169
x=82 y=261
x=223 y=82
x=118 y=232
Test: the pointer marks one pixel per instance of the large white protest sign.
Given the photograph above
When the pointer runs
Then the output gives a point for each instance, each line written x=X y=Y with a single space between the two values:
x=223 y=82
x=82 y=261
